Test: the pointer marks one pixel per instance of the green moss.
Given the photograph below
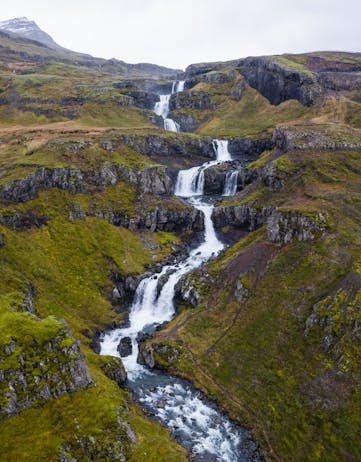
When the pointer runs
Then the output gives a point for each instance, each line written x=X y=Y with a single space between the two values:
x=250 y=116
x=291 y=65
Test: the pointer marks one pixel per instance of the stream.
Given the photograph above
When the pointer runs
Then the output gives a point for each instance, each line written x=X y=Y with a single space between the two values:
x=205 y=432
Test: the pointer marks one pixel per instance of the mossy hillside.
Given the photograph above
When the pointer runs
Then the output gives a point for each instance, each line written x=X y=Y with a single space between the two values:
x=340 y=109
x=69 y=265
x=77 y=293
x=316 y=60
x=254 y=356
x=250 y=116
x=87 y=425
x=292 y=65
x=21 y=156
x=66 y=92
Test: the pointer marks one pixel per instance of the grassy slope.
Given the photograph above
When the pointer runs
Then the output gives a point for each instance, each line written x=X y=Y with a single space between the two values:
x=302 y=401
x=57 y=92
x=69 y=264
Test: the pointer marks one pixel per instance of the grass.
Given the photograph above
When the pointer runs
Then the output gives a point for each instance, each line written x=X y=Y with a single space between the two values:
x=291 y=65
x=250 y=116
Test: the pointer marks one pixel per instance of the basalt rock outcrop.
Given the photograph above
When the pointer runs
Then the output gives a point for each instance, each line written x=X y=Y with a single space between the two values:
x=278 y=81
x=192 y=287
x=32 y=372
x=187 y=121
x=153 y=180
x=316 y=137
x=283 y=227
x=195 y=100
x=22 y=221
x=125 y=347
x=247 y=150
x=125 y=287
x=159 y=219
x=213 y=73
x=113 y=368
x=241 y=216
x=215 y=177
x=165 y=354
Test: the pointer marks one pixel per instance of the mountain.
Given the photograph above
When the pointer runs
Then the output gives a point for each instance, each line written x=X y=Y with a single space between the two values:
x=22 y=40
x=29 y=30
x=269 y=328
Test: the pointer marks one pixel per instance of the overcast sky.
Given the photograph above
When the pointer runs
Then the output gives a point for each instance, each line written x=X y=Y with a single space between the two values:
x=178 y=33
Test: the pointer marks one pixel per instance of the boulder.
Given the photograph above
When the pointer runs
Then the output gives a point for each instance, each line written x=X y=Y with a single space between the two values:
x=125 y=347
x=113 y=368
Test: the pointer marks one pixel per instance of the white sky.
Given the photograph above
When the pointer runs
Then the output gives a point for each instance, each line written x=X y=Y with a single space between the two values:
x=178 y=33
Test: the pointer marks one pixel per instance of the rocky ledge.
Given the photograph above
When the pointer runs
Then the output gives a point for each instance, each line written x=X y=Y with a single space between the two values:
x=242 y=216
x=160 y=219
x=153 y=180
x=316 y=137
x=282 y=226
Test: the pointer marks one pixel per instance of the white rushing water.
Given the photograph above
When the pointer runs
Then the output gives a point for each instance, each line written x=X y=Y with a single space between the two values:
x=207 y=434
x=190 y=182
x=152 y=309
x=161 y=108
x=221 y=148
x=230 y=185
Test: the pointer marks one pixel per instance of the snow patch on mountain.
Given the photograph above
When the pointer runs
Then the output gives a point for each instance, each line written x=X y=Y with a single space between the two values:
x=28 y=29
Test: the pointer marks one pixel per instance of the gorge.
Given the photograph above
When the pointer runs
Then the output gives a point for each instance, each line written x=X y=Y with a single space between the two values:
x=198 y=426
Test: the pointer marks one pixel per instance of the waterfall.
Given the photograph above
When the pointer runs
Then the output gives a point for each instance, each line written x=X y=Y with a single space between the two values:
x=230 y=185
x=190 y=182
x=180 y=86
x=161 y=108
x=221 y=149
x=206 y=433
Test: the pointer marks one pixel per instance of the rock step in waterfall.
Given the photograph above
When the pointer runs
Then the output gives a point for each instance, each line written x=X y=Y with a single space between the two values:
x=161 y=108
x=190 y=182
x=197 y=425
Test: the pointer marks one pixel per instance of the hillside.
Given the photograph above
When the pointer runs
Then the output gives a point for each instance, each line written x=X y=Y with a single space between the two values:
x=269 y=330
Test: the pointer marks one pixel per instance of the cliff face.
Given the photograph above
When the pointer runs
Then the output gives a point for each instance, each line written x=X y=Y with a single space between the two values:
x=279 y=83
x=150 y=180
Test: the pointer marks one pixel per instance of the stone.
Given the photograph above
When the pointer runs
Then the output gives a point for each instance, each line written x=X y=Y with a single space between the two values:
x=125 y=347
x=113 y=368
x=41 y=373
x=241 y=216
x=284 y=227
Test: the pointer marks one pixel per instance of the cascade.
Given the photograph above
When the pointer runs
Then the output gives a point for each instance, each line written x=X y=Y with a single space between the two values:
x=230 y=185
x=161 y=108
x=196 y=424
x=221 y=149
